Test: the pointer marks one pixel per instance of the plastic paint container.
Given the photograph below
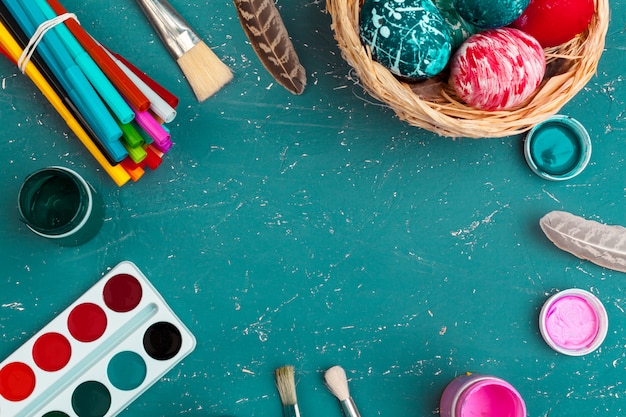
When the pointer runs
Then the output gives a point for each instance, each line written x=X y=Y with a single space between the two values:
x=57 y=203
x=558 y=148
x=472 y=395
x=573 y=322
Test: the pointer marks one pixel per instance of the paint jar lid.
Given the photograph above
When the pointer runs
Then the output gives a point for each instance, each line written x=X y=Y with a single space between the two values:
x=558 y=148
x=573 y=322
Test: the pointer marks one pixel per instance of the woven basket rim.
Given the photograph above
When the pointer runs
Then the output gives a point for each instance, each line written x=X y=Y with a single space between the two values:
x=433 y=105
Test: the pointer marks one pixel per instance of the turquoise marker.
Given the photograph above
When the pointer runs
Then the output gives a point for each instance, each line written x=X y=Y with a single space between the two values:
x=105 y=125
x=93 y=72
x=115 y=148
x=145 y=136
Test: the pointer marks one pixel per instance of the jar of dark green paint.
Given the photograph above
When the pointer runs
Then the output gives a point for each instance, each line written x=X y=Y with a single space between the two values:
x=58 y=204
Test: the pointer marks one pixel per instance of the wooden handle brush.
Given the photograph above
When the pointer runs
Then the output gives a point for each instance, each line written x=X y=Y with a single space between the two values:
x=203 y=69
x=285 y=382
x=337 y=383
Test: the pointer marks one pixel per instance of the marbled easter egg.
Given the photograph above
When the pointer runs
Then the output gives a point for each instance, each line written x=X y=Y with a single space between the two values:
x=459 y=28
x=409 y=37
x=497 y=69
x=489 y=14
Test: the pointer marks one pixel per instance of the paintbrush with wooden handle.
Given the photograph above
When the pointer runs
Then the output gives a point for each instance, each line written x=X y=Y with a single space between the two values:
x=204 y=71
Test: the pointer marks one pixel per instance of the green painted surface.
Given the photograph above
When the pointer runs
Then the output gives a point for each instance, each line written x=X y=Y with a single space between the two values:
x=317 y=230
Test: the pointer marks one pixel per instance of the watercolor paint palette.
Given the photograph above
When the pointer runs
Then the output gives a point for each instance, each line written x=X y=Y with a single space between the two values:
x=99 y=354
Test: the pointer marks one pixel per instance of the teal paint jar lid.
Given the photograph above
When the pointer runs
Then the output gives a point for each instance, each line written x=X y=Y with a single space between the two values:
x=558 y=148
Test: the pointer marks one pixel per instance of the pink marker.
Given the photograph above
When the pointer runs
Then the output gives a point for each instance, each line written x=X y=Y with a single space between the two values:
x=573 y=322
x=154 y=129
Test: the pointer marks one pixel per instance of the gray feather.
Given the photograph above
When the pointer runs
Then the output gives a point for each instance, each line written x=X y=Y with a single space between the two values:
x=602 y=244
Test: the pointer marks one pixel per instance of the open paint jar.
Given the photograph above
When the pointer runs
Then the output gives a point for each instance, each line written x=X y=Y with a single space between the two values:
x=481 y=395
x=573 y=322
x=58 y=204
x=558 y=148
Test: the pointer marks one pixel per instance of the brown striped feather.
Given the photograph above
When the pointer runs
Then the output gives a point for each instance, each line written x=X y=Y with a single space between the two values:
x=268 y=35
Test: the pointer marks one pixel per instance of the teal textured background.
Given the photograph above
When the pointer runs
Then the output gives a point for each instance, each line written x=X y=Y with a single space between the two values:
x=319 y=229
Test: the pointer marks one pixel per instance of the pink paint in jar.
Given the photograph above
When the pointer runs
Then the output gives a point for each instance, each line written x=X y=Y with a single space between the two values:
x=573 y=322
x=473 y=395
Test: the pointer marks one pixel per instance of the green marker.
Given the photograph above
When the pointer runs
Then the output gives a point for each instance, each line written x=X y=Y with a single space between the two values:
x=131 y=135
x=137 y=154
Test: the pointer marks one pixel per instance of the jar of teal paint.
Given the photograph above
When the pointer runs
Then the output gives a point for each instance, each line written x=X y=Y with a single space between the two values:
x=558 y=148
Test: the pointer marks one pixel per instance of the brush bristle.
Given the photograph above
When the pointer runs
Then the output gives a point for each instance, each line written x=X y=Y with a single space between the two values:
x=204 y=71
x=337 y=382
x=285 y=381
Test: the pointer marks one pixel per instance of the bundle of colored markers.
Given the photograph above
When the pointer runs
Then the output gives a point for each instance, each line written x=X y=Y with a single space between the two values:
x=115 y=110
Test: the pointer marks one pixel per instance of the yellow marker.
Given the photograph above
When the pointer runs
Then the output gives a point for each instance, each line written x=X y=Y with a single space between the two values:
x=10 y=45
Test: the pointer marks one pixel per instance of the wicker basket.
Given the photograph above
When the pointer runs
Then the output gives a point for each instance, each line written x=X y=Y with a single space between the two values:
x=433 y=104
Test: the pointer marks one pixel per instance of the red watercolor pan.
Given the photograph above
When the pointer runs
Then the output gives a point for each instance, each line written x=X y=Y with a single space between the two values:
x=98 y=355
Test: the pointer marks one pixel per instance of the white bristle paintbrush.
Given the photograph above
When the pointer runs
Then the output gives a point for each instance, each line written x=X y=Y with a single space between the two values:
x=203 y=69
x=337 y=383
x=286 y=384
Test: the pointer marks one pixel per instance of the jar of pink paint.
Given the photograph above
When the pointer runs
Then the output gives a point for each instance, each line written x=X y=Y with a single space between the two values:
x=573 y=322
x=481 y=395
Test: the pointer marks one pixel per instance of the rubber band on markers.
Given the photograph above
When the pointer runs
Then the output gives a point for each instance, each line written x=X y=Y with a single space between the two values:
x=43 y=28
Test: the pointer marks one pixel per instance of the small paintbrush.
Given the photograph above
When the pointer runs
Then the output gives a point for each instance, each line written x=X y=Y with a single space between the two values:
x=337 y=383
x=203 y=69
x=286 y=384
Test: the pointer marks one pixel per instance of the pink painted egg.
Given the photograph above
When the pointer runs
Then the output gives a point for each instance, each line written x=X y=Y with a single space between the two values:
x=497 y=69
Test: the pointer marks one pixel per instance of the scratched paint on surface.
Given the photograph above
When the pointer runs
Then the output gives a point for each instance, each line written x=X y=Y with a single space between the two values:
x=319 y=230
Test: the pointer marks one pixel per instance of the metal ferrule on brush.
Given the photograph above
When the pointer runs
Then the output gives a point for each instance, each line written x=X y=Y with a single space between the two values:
x=349 y=408
x=291 y=410
x=173 y=30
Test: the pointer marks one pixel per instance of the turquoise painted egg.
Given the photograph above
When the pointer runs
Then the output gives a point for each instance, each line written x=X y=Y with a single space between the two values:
x=409 y=37
x=459 y=28
x=489 y=14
